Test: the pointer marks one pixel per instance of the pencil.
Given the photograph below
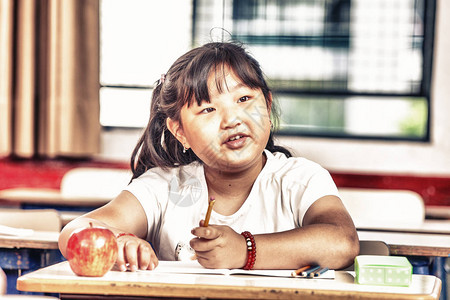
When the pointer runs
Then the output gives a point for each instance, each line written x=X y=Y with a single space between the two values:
x=319 y=272
x=208 y=213
x=299 y=271
x=307 y=273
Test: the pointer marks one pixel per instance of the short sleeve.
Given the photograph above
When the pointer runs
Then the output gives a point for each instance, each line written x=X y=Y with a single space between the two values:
x=145 y=190
x=318 y=185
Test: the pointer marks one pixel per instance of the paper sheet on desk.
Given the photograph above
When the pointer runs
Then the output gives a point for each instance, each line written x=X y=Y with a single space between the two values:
x=12 y=231
x=193 y=267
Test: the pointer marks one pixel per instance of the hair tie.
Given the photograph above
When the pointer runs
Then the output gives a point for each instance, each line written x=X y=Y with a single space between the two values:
x=162 y=79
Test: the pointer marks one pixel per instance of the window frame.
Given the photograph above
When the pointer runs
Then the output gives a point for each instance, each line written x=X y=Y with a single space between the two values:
x=424 y=93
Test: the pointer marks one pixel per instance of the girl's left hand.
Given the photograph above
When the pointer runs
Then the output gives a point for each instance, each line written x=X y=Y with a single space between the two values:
x=219 y=247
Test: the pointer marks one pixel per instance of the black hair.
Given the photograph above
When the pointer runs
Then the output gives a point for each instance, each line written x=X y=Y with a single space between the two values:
x=187 y=81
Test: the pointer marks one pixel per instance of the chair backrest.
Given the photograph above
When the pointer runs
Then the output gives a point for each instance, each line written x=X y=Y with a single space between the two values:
x=376 y=208
x=371 y=248
x=101 y=183
x=36 y=219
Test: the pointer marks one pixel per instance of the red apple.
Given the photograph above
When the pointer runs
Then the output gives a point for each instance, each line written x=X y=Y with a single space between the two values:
x=92 y=251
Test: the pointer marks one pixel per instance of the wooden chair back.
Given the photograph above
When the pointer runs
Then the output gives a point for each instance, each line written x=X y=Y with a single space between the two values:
x=376 y=208
x=101 y=183
x=371 y=248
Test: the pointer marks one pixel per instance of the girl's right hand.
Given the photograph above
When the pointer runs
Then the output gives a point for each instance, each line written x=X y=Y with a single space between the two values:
x=135 y=252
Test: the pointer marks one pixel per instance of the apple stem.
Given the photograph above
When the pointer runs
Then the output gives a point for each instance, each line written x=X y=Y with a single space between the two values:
x=90 y=224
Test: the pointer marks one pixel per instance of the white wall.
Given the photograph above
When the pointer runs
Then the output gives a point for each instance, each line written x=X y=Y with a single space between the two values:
x=396 y=157
x=365 y=156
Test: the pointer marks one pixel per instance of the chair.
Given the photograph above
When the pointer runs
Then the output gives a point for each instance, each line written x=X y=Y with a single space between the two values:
x=102 y=183
x=379 y=208
x=36 y=219
x=371 y=248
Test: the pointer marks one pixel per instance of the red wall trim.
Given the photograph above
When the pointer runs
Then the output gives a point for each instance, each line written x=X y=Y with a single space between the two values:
x=49 y=173
x=43 y=173
x=434 y=190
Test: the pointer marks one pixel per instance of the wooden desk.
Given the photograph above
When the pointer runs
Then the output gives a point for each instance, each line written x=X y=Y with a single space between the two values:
x=59 y=278
x=37 y=240
x=50 y=197
x=68 y=207
x=432 y=239
x=438 y=212
x=21 y=254
x=428 y=226
x=411 y=243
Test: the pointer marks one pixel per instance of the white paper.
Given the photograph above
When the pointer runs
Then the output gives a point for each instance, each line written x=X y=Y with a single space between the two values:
x=193 y=267
x=7 y=230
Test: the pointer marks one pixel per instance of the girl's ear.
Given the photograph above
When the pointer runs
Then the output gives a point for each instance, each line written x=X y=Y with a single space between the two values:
x=177 y=131
x=269 y=103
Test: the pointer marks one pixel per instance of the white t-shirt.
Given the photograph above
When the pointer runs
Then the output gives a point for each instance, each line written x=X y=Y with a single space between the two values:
x=175 y=200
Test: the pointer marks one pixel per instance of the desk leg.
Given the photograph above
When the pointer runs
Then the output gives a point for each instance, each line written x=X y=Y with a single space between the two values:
x=438 y=270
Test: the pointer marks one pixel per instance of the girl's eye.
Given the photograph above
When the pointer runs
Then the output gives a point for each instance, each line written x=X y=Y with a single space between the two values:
x=207 y=110
x=244 y=99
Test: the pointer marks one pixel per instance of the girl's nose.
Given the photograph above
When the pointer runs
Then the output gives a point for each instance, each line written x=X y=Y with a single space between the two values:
x=230 y=118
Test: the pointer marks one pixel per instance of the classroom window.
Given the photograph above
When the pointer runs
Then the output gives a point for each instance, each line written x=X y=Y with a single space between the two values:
x=138 y=42
x=338 y=68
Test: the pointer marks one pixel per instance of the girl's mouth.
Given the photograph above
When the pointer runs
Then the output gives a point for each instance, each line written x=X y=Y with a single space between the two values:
x=236 y=141
x=233 y=138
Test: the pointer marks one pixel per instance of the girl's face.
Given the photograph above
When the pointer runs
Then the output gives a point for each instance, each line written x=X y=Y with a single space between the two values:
x=229 y=133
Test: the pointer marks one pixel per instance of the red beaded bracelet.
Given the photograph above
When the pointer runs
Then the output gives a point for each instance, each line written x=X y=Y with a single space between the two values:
x=251 y=250
x=124 y=233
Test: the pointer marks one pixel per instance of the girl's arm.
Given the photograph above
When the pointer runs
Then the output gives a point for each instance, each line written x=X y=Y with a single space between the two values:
x=2 y=282
x=327 y=238
x=124 y=214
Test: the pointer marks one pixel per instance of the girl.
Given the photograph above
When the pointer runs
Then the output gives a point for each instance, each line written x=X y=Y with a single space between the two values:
x=209 y=135
x=2 y=282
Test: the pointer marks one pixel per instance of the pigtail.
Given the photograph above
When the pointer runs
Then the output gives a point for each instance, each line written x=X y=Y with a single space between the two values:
x=157 y=147
x=274 y=148
x=148 y=153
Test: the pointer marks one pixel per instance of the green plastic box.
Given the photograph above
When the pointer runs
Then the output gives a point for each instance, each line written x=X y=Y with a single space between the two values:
x=383 y=270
